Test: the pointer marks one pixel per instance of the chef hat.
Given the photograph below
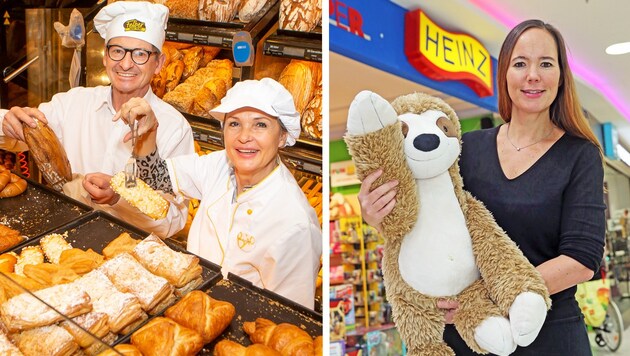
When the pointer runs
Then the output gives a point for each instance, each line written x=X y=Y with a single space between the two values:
x=137 y=19
x=266 y=95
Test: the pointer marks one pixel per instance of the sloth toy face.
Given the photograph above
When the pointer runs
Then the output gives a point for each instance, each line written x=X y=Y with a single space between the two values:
x=431 y=143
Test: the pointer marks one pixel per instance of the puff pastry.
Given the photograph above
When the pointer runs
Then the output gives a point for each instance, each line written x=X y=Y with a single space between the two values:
x=178 y=268
x=121 y=308
x=24 y=311
x=11 y=285
x=81 y=262
x=9 y=237
x=98 y=347
x=53 y=245
x=51 y=340
x=133 y=326
x=7 y=348
x=128 y=275
x=50 y=274
x=94 y=322
x=164 y=337
x=30 y=255
x=125 y=349
x=231 y=348
x=123 y=243
x=180 y=292
x=200 y=312
x=285 y=338
x=165 y=303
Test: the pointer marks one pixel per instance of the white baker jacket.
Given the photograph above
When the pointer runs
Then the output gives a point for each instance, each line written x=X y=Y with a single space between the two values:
x=268 y=234
x=82 y=119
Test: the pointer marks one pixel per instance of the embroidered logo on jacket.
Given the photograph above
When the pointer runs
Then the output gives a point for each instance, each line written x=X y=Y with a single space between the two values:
x=134 y=25
x=245 y=241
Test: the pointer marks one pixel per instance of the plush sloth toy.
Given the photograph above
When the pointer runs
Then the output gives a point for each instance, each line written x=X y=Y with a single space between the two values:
x=440 y=242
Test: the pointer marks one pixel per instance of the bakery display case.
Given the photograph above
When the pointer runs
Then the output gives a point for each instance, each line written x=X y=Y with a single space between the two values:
x=97 y=283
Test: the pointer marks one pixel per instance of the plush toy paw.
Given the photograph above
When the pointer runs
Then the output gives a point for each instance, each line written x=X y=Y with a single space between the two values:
x=527 y=315
x=494 y=335
x=369 y=112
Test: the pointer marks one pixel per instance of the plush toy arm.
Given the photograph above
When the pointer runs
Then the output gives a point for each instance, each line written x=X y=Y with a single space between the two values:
x=375 y=140
x=369 y=112
x=504 y=268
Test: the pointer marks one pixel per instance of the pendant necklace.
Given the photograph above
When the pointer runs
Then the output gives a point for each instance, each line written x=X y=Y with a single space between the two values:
x=507 y=134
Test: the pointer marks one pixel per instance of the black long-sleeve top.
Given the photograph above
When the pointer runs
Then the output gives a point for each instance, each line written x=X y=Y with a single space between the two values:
x=554 y=208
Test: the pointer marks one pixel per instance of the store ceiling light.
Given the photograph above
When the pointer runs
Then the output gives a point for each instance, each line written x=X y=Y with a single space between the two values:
x=619 y=48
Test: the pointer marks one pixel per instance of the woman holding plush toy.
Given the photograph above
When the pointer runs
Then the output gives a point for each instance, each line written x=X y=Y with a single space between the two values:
x=541 y=176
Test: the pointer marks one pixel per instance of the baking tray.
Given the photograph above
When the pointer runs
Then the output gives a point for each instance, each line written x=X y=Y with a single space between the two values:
x=252 y=302
x=39 y=210
x=96 y=229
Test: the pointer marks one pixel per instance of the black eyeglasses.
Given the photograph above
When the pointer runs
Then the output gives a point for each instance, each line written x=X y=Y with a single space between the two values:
x=138 y=55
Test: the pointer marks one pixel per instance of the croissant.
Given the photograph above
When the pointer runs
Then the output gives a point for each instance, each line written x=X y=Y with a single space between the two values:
x=164 y=337
x=199 y=312
x=123 y=243
x=319 y=345
x=286 y=338
x=124 y=349
x=15 y=187
x=231 y=348
x=9 y=238
x=5 y=177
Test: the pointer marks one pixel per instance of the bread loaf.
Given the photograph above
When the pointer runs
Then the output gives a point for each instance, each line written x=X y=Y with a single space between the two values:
x=184 y=9
x=250 y=9
x=312 y=116
x=299 y=15
x=49 y=154
x=218 y=10
x=192 y=57
x=300 y=80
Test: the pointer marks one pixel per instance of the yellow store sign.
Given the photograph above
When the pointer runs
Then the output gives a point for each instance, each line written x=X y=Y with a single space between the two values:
x=443 y=55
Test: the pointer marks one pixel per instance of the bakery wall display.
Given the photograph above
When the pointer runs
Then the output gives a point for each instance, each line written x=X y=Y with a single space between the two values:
x=36 y=211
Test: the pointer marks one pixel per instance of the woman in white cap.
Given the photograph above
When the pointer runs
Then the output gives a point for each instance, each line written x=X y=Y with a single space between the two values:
x=82 y=117
x=253 y=218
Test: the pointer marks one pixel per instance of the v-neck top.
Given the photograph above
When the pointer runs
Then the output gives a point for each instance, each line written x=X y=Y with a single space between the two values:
x=556 y=207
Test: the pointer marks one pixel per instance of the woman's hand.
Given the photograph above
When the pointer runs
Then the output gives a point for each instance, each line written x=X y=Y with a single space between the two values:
x=377 y=203
x=12 y=124
x=449 y=307
x=97 y=185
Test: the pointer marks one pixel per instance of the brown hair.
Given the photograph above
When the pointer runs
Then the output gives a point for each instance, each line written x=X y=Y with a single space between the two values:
x=565 y=110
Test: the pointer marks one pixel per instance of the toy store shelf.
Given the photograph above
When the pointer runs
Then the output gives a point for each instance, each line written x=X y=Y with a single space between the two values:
x=220 y=34
x=294 y=44
x=362 y=330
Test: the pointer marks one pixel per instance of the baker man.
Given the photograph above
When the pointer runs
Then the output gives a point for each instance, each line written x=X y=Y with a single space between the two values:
x=82 y=117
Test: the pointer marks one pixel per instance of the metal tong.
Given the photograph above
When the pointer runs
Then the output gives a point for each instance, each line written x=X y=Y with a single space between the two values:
x=130 y=167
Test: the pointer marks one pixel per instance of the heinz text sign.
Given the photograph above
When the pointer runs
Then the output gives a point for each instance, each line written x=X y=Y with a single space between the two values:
x=443 y=55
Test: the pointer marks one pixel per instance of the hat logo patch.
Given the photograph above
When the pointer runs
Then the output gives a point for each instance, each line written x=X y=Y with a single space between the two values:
x=134 y=25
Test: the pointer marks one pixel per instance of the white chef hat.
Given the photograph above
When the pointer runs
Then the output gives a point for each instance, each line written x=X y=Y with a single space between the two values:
x=266 y=95
x=137 y=19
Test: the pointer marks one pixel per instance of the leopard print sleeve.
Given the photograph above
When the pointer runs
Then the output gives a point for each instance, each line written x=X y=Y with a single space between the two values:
x=153 y=170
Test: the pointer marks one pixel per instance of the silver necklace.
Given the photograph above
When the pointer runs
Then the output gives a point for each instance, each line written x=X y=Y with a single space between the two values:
x=531 y=144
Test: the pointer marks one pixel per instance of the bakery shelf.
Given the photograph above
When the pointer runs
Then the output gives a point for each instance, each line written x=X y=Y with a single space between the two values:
x=39 y=210
x=294 y=44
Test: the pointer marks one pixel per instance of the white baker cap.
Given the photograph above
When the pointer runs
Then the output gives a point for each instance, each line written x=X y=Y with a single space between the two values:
x=137 y=19
x=266 y=95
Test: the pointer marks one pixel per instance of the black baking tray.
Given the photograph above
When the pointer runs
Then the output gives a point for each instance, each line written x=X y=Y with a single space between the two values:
x=96 y=229
x=39 y=210
x=252 y=302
